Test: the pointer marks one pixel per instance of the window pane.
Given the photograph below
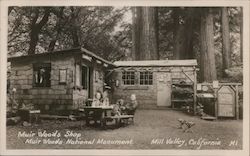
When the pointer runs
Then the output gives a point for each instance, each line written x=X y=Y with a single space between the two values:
x=128 y=78
x=146 y=78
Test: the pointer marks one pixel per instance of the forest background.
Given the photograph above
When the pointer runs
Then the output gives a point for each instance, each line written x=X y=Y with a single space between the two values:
x=213 y=35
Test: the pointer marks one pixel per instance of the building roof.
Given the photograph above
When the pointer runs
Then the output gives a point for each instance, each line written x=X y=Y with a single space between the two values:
x=63 y=52
x=156 y=63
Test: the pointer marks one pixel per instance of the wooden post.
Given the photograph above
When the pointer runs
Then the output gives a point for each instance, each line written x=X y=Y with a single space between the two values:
x=195 y=90
x=216 y=103
x=237 y=102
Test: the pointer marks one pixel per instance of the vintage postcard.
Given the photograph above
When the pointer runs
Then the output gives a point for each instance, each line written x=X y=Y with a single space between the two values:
x=124 y=77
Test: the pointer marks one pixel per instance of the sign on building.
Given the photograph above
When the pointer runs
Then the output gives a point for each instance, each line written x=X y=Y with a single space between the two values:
x=226 y=102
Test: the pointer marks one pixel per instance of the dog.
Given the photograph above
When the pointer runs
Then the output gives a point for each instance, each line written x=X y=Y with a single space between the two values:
x=186 y=125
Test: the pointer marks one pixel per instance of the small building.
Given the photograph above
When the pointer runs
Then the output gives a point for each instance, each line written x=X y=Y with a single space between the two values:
x=154 y=82
x=59 y=80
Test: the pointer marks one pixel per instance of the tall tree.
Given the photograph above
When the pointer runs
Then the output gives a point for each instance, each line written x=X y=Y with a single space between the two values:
x=99 y=29
x=57 y=29
x=183 y=33
x=145 y=46
x=226 y=50
x=75 y=26
x=178 y=34
x=207 y=60
x=36 y=28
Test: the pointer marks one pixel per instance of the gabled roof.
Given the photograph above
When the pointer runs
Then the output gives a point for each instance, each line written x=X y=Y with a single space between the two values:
x=63 y=52
x=156 y=63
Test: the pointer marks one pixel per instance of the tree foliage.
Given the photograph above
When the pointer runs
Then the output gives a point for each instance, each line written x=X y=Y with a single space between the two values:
x=42 y=29
x=174 y=33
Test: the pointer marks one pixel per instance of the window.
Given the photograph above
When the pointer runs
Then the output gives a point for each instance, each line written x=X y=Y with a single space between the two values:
x=128 y=78
x=146 y=78
x=42 y=74
x=62 y=76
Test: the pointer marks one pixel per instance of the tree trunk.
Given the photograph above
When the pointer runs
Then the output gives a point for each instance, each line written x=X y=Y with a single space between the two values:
x=179 y=35
x=207 y=62
x=36 y=28
x=226 y=52
x=136 y=23
x=183 y=32
x=58 y=29
x=189 y=33
x=75 y=27
x=145 y=46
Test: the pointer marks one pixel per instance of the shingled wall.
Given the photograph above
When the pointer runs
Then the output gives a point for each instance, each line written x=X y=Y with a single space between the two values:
x=146 y=95
x=58 y=96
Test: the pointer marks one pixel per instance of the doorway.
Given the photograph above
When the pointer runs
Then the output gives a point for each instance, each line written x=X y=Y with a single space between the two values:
x=87 y=80
x=163 y=89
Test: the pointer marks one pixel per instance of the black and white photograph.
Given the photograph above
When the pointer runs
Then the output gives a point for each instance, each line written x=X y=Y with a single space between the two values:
x=125 y=78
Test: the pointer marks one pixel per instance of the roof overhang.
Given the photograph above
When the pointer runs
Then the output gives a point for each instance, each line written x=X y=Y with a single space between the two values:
x=86 y=54
x=157 y=63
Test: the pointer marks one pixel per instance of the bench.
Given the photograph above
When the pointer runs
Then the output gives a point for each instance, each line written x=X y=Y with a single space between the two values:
x=119 y=118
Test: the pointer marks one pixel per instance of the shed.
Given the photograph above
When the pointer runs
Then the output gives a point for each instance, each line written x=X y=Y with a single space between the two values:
x=59 y=80
x=155 y=82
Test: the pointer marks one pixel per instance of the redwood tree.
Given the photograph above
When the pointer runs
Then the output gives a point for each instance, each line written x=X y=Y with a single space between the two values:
x=183 y=33
x=145 y=46
x=226 y=51
x=207 y=60
x=178 y=34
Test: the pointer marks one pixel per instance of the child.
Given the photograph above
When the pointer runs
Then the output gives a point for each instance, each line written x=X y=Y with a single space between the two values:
x=132 y=105
x=105 y=98
x=117 y=110
x=97 y=100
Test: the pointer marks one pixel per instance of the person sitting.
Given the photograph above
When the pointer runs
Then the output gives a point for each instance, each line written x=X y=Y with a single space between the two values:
x=122 y=106
x=131 y=106
x=117 y=109
x=105 y=101
x=97 y=101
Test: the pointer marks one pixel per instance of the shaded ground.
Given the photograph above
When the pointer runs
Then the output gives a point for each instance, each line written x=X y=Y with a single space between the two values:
x=149 y=125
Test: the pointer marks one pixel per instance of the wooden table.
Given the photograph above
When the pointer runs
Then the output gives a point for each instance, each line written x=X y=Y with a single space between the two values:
x=28 y=115
x=97 y=113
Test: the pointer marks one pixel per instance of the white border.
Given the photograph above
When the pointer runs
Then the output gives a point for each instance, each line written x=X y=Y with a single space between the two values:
x=3 y=62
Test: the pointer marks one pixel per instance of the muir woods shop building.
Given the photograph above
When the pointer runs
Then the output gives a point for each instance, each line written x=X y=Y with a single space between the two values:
x=60 y=80
x=65 y=80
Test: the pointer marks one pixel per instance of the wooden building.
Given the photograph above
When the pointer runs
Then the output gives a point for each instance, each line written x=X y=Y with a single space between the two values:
x=64 y=80
x=155 y=82
x=59 y=80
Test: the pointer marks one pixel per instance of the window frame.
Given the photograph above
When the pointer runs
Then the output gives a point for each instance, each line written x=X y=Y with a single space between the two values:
x=60 y=77
x=127 y=78
x=146 y=78
x=36 y=68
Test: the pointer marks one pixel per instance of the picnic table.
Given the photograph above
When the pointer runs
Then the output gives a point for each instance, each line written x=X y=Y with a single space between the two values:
x=97 y=113
x=102 y=114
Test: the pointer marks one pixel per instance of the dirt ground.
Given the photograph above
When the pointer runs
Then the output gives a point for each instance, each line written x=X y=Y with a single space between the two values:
x=149 y=126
